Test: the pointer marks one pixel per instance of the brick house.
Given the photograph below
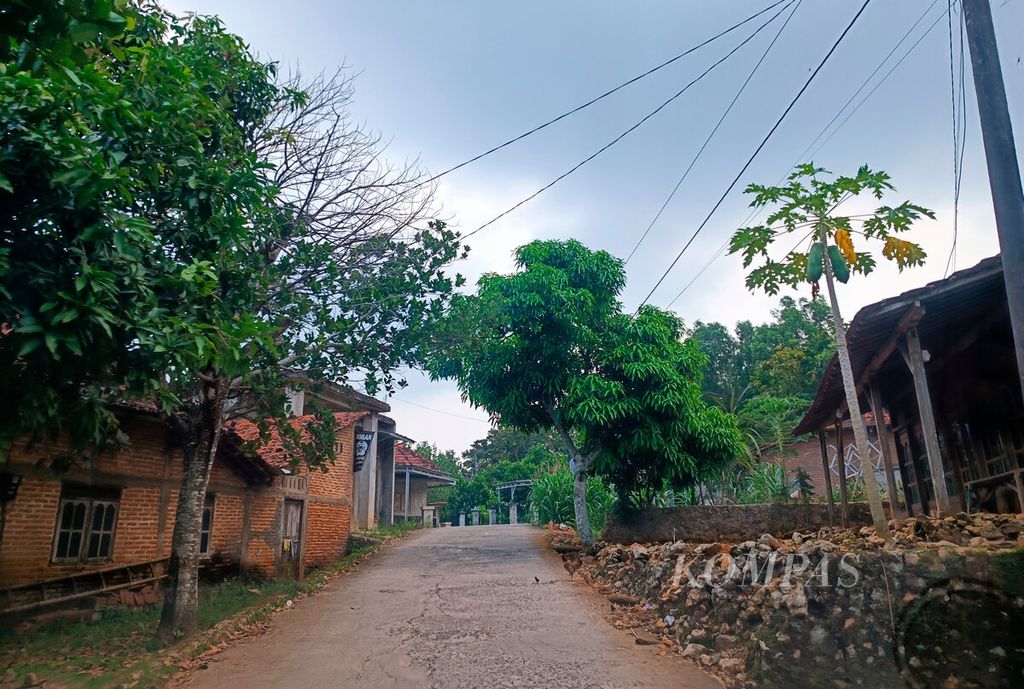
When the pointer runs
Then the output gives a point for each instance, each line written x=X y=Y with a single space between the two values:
x=263 y=514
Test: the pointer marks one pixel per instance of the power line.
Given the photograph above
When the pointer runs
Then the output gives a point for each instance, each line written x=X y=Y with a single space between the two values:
x=624 y=134
x=879 y=84
x=604 y=95
x=713 y=132
x=959 y=120
x=440 y=411
x=804 y=155
x=867 y=81
x=764 y=141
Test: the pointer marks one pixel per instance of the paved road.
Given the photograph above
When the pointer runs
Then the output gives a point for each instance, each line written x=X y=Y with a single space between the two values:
x=454 y=608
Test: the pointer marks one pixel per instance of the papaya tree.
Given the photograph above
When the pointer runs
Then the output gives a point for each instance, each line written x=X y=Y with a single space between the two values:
x=831 y=244
x=549 y=347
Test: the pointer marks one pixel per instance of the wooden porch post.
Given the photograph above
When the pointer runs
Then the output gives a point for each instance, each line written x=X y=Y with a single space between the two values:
x=405 y=505
x=914 y=358
x=844 y=502
x=882 y=434
x=828 y=477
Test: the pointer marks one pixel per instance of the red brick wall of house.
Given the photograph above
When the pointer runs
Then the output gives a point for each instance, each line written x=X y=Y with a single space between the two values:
x=31 y=519
x=327 y=523
x=148 y=475
x=807 y=455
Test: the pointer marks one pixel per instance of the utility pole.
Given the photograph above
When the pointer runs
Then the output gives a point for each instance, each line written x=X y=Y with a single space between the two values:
x=1001 y=157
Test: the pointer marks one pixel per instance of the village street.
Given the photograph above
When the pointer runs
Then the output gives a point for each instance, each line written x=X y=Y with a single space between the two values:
x=454 y=607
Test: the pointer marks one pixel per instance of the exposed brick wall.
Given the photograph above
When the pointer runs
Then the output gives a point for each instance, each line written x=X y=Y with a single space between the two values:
x=807 y=456
x=28 y=532
x=324 y=541
x=328 y=524
x=337 y=481
x=148 y=475
x=228 y=514
x=264 y=534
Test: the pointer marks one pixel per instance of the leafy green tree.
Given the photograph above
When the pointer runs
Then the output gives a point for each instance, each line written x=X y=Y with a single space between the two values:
x=80 y=163
x=195 y=226
x=782 y=358
x=808 y=206
x=646 y=421
x=770 y=420
x=507 y=444
x=549 y=347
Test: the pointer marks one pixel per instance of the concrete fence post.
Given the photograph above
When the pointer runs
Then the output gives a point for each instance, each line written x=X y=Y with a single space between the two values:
x=462 y=518
x=491 y=516
x=476 y=517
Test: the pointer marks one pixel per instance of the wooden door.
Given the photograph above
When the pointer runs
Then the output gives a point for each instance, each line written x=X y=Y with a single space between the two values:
x=291 y=533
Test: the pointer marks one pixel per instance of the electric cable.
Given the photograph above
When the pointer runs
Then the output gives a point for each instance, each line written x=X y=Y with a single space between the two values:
x=760 y=146
x=710 y=136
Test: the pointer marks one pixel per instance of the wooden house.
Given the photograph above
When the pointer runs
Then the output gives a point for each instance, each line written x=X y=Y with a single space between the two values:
x=940 y=360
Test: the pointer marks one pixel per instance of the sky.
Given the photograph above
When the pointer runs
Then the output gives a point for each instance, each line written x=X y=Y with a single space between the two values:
x=444 y=80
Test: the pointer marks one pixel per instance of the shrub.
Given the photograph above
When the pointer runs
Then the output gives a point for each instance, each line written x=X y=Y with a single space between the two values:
x=551 y=499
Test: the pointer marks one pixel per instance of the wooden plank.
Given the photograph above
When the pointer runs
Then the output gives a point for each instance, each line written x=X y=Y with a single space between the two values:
x=884 y=449
x=844 y=502
x=79 y=596
x=909 y=321
x=823 y=443
x=914 y=357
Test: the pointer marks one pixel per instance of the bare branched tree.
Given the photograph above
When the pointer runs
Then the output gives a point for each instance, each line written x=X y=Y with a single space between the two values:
x=350 y=273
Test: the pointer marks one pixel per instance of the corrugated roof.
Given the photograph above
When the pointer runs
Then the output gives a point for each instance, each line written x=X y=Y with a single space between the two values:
x=951 y=307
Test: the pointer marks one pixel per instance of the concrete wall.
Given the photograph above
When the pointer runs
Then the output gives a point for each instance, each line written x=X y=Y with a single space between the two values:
x=725 y=522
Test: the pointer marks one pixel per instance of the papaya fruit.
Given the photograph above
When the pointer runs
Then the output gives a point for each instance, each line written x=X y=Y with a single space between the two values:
x=840 y=269
x=815 y=264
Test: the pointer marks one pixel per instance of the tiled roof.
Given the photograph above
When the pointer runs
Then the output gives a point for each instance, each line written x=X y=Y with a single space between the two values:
x=406 y=457
x=272 y=452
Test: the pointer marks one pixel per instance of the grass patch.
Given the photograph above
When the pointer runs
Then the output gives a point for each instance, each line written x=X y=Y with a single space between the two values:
x=391 y=531
x=120 y=649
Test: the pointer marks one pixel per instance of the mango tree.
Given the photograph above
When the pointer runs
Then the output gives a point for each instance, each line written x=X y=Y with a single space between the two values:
x=549 y=347
x=180 y=227
x=808 y=206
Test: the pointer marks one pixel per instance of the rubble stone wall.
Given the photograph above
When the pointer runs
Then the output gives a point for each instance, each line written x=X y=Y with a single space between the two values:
x=837 y=610
x=725 y=523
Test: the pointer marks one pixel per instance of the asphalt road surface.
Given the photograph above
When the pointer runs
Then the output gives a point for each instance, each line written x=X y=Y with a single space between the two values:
x=453 y=608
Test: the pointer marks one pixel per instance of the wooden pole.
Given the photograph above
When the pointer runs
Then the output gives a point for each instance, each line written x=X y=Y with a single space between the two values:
x=828 y=477
x=884 y=449
x=1001 y=157
x=915 y=359
x=844 y=502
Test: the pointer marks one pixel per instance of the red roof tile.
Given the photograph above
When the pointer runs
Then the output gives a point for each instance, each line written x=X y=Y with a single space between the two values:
x=272 y=452
x=405 y=456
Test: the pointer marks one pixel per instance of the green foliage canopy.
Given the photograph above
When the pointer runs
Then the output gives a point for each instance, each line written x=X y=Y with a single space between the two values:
x=549 y=347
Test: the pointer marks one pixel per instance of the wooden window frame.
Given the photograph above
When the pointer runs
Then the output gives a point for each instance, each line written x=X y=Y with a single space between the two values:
x=209 y=504
x=90 y=498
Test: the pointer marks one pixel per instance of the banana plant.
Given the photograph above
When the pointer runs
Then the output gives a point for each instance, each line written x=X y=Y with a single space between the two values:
x=809 y=207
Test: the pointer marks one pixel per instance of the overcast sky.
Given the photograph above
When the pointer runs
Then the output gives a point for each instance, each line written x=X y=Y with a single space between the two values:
x=445 y=80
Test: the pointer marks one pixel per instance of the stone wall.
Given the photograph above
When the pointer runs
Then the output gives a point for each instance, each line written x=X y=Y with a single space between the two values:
x=725 y=523
x=833 y=610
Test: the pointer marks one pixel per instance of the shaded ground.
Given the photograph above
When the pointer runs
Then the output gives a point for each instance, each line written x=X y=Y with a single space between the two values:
x=453 y=608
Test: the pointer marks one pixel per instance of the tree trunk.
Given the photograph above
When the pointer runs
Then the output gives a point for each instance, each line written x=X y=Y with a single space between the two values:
x=579 y=482
x=579 y=503
x=860 y=433
x=201 y=436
